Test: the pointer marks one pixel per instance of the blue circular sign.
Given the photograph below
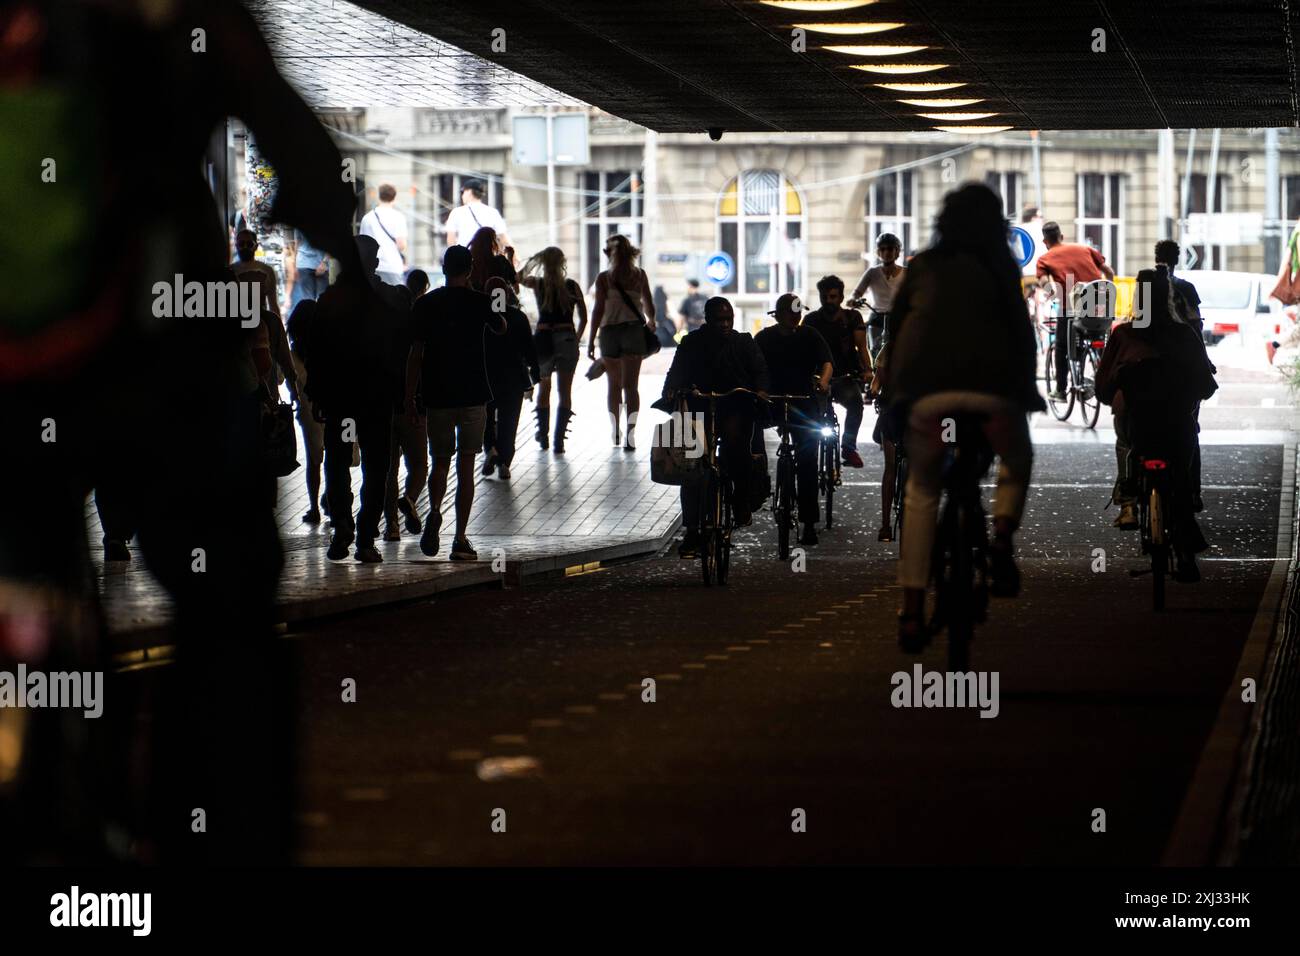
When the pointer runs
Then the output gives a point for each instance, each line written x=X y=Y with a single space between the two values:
x=720 y=269
x=1022 y=246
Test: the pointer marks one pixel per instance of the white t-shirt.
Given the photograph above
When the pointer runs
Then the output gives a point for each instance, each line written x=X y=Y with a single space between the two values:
x=464 y=221
x=374 y=224
x=881 y=287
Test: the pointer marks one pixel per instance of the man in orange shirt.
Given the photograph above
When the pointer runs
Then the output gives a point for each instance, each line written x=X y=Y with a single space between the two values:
x=1067 y=263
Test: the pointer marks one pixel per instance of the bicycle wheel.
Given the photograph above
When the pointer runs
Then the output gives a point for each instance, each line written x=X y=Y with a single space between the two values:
x=1159 y=551
x=1089 y=403
x=828 y=479
x=723 y=533
x=708 y=541
x=961 y=589
x=784 y=505
x=900 y=494
x=1060 y=409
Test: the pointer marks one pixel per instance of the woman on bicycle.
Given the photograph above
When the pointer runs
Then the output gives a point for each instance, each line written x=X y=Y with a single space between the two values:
x=879 y=285
x=619 y=316
x=556 y=338
x=1153 y=372
x=961 y=345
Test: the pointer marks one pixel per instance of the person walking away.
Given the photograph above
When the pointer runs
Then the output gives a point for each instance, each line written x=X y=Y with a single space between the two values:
x=484 y=246
x=966 y=288
x=622 y=292
x=417 y=283
x=311 y=270
x=386 y=224
x=362 y=318
x=1187 y=302
x=512 y=370
x=716 y=358
x=1067 y=264
x=880 y=284
x=310 y=422
x=472 y=215
x=556 y=340
x=1153 y=374
x=447 y=365
x=409 y=438
x=799 y=363
x=690 y=314
x=846 y=336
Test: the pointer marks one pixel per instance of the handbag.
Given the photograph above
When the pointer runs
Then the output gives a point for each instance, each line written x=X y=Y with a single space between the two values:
x=279 y=438
x=678 y=449
x=652 y=343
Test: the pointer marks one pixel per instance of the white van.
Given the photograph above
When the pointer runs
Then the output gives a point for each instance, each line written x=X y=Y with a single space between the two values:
x=1238 y=303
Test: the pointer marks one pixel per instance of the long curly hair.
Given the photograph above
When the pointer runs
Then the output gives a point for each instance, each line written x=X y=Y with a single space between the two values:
x=622 y=258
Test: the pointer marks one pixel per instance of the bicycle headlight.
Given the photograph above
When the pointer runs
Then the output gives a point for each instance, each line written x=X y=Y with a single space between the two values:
x=827 y=431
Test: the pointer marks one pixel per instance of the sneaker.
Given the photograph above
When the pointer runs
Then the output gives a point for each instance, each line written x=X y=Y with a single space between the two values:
x=742 y=519
x=1005 y=576
x=462 y=550
x=407 y=507
x=503 y=472
x=489 y=463
x=115 y=549
x=312 y=517
x=851 y=458
x=392 y=532
x=1056 y=395
x=339 y=545
x=690 y=546
x=429 y=540
x=809 y=536
x=367 y=553
x=885 y=534
x=1127 y=519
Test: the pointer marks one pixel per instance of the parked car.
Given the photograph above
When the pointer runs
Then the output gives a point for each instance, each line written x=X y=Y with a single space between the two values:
x=1238 y=303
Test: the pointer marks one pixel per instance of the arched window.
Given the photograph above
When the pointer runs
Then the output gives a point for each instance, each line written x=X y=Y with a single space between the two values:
x=761 y=225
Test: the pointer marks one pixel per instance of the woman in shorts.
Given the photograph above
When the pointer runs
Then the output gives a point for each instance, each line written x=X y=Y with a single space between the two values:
x=556 y=338
x=624 y=318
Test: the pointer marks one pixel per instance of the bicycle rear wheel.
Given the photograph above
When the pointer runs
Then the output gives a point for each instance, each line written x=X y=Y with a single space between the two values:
x=829 y=451
x=1060 y=409
x=1089 y=403
x=900 y=494
x=708 y=539
x=961 y=590
x=1159 y=550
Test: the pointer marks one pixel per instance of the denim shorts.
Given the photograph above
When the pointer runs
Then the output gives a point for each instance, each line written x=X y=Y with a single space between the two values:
x=626 y=340
x=557 y=351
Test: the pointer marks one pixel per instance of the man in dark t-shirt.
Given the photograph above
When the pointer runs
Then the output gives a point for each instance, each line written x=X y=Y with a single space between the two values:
x=691 y=311
x=447 y=365
x=795 y=355
x=845 y=333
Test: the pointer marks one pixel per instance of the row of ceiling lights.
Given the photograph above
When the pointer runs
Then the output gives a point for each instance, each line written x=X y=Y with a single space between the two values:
x=967 y=120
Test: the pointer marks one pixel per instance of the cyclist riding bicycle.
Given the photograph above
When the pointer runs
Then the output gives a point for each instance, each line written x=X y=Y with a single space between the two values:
x=1153 y=373
x=1067 y=263
x=963 y=291
x=716 y=358
x=795 y=355
x=846 y=336
x=880 y=284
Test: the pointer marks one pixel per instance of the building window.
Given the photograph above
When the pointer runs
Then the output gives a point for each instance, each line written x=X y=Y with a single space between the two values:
x=1006 y=185
x=1100 y=219
x=611 y=204
x=1197 y=193
x=761 y=225
x=891 y=207
x=446 y=192
x=1290 y=202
